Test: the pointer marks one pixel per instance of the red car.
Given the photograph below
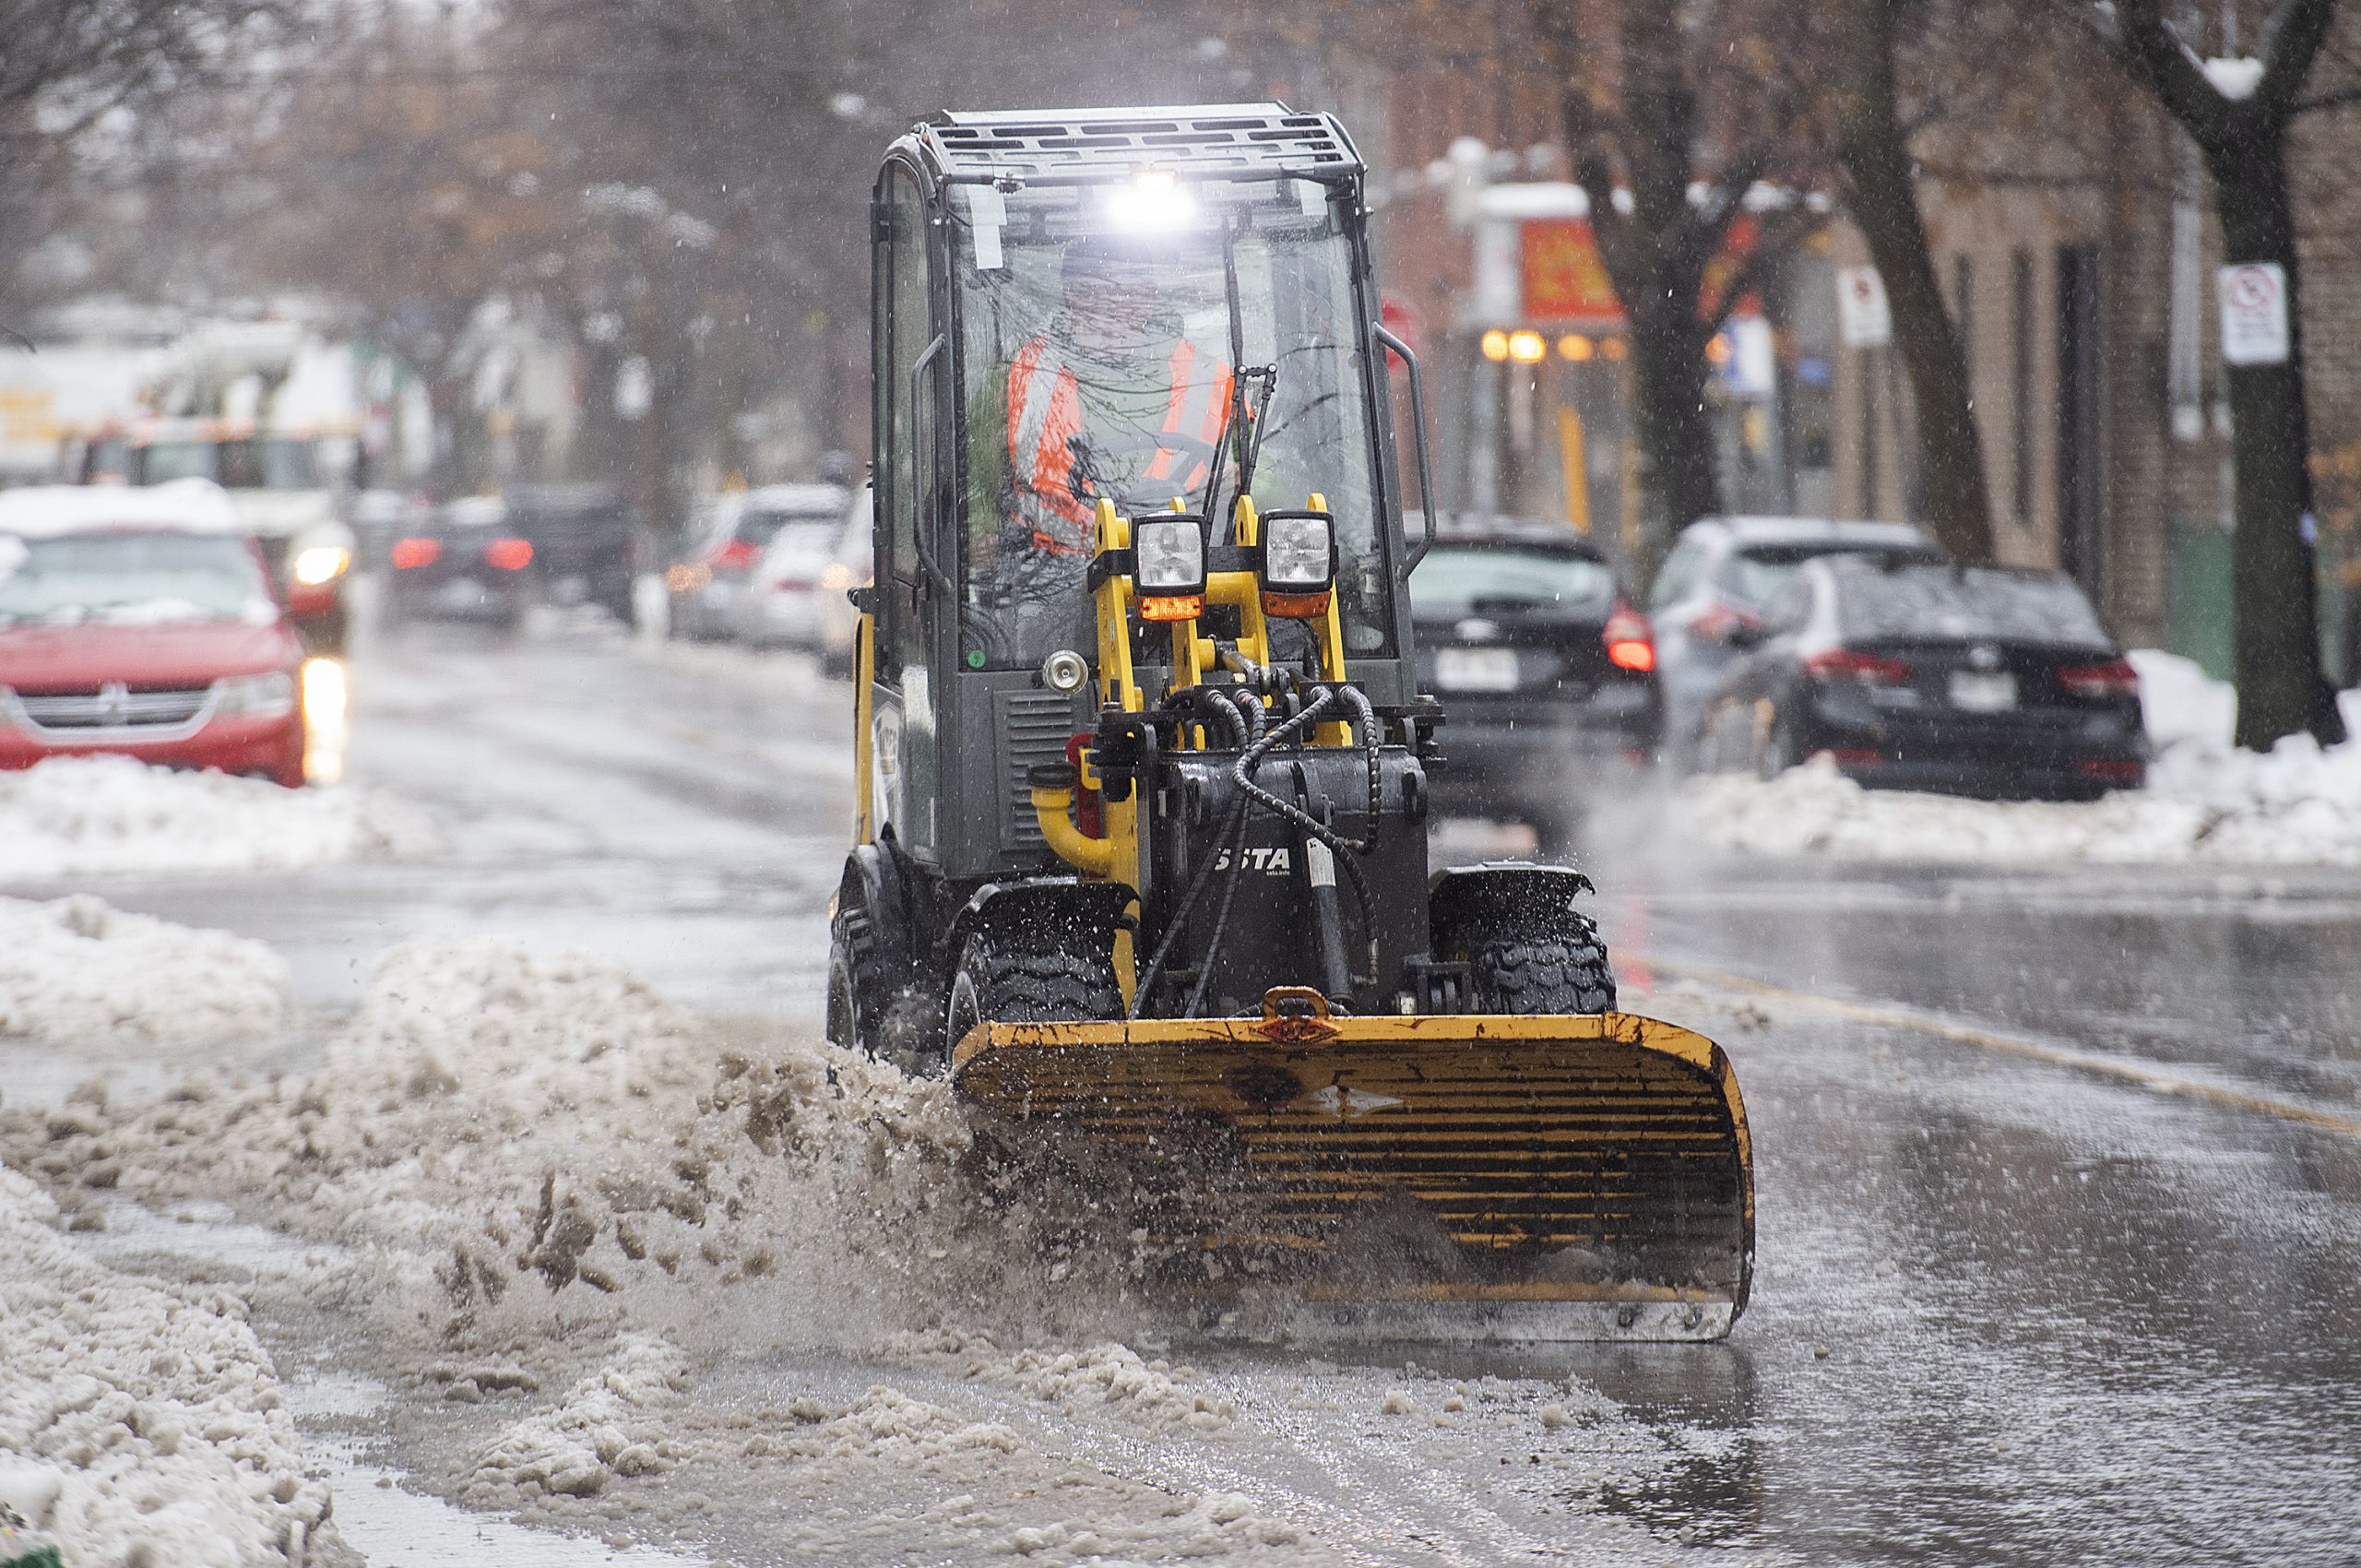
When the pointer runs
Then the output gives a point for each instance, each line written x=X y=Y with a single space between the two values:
x=142 y=622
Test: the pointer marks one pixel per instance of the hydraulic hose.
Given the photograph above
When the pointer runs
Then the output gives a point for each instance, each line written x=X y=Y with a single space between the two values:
x=1245 y=718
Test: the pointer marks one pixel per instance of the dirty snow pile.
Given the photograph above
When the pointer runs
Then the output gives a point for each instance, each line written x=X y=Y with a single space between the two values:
x=882 y=1470
x=611 y=1424
x=552 y=1195
x=141 y=1423
x=82 y=816
x=491 y=1116
x=77 y=971
x=2205 y=799
x=1105 y=1375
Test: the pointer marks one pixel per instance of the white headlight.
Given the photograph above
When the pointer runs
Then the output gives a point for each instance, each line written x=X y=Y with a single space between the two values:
x=266 y=695
x=1298 y=552
x=320 y=562
x=1171 y=555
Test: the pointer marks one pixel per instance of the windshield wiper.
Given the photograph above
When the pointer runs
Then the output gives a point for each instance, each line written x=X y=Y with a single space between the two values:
x=1236 y=417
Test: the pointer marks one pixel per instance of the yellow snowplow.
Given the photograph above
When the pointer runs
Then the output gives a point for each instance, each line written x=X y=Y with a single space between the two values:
x=1141 y=757
x=1516 y=1178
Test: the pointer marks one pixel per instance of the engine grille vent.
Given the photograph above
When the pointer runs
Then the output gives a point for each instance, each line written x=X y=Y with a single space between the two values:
x=1033 y=728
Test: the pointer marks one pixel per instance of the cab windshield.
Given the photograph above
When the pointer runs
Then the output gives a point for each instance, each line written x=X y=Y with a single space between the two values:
x=271 y=462
x=1107 y=337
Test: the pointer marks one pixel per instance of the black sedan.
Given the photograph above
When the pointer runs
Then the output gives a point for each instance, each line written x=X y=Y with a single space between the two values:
x=468 y=562
x=1963 y=680
x=1546 y=677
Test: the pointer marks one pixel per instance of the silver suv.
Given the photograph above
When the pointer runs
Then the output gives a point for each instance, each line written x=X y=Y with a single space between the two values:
x=1708 y=598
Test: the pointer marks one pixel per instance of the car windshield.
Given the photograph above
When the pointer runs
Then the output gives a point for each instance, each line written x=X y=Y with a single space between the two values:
x=1101 y=357
x=1493 y=580
x=163 y=461
x=1758 y=572
x=130 y=577
x=272 y=463
x=1900 y=603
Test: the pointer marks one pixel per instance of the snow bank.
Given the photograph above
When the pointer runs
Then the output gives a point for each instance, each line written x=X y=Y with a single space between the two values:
x=77 y=971
x=141 y=1423
x=2205 y=800
x=493 y=1118
x=529 y=1160
x=82 y=816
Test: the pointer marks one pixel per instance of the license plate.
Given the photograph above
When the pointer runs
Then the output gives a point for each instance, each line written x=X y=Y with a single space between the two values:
x=1476 y=669
x=1973 y=692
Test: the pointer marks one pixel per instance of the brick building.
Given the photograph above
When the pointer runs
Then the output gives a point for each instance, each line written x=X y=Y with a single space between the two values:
x=2079 y=252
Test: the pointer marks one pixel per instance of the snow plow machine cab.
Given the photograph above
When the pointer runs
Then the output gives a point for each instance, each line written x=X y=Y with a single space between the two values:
x=1141 y=848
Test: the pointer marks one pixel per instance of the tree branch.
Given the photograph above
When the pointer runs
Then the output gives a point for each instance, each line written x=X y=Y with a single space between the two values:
x=2290 y=40
x=2152 y=49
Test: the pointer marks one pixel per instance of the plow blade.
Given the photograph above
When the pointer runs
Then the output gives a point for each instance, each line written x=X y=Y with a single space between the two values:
x=1494 y=1178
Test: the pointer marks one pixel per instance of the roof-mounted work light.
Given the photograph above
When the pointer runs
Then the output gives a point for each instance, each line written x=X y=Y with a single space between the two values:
x=1152 y=200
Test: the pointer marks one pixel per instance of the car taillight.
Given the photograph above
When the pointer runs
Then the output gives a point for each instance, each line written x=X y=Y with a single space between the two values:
x=1863 y=669
x=2116 y=678
x=1630 y=641
x=509 y=555
x=792 y=584
x=735 y=556
x=414 y=552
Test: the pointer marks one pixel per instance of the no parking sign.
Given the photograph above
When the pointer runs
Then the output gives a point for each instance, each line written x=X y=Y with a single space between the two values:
x=2254 y=313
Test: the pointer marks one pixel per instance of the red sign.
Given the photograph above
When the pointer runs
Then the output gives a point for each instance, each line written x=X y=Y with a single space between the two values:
x=1565 y=280
x=1401 y=318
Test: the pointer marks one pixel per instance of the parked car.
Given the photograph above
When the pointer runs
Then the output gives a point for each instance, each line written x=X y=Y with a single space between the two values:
x=466 y=561
x=1918 y=676
x=711 y=584
x=142 y=621
x=1545 y=675
x=796 y=595
x=282 y=485
x=1709 y=596
x=587 y=543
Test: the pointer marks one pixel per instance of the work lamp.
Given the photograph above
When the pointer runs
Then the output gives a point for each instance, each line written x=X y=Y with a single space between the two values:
x=1169 y=570
x=1299 y=563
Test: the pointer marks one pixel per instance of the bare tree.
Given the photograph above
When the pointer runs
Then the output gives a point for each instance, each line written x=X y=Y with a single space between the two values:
x=1880 y=179
x=67 y=65
x=1672 y=128
x=2238 y=115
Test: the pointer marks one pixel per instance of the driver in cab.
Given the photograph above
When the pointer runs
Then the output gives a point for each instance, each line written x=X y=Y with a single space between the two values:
x=1111 y=400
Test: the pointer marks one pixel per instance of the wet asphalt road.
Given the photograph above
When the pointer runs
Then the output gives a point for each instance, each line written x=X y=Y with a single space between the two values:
x=2005 y=1311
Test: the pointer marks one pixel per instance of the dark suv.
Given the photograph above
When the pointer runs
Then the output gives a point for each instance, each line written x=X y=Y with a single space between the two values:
x=1546 y=677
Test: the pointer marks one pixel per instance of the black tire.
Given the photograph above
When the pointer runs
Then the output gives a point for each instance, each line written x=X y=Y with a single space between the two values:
x=873 y=1011
x=1004 y=979
x=1560 y=970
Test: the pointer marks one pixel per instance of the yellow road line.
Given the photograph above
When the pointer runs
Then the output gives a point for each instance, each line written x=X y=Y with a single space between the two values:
x=2153 y=1079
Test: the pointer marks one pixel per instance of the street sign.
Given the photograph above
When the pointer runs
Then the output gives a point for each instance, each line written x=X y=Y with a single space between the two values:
x=1564 y=279
x=1861 y=312
x=2254 y=313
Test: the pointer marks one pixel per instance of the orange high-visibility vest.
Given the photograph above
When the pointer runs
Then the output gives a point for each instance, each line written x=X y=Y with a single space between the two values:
x=1045 y=414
